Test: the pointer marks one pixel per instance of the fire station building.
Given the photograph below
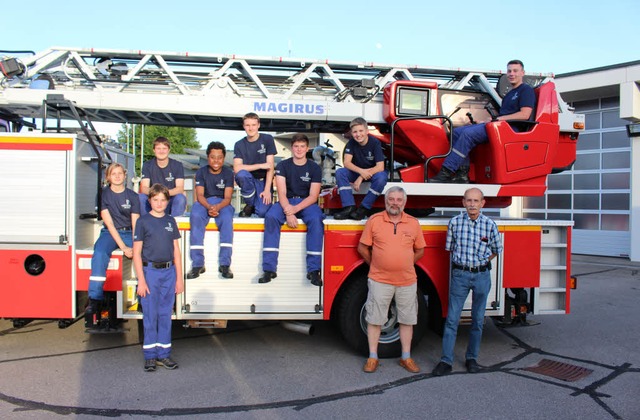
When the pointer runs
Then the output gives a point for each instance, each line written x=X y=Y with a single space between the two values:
x=601 y=194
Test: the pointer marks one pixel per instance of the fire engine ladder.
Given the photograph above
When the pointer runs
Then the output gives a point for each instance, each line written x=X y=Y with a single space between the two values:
x=56 y=106
x=215 y=90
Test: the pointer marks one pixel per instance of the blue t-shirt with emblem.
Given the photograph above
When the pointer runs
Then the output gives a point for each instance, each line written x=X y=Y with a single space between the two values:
x=255 y=152
x=120 y=206
x=166 y=176
x=157 y=235
x=299 y=177
x=214 y=184
x=515 y=99
x=366 y=156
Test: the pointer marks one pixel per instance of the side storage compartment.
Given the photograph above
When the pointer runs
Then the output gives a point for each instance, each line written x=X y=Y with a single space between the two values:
x=36 y=282
x=552 y=297
x=210 y=296
x=36 y=253
x=521 y=256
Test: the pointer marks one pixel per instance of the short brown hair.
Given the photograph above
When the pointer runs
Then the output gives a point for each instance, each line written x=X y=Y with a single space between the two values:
x=299 y=137
x=161 y=140
x=358 y=121
x=251 y=116
x=518 y=62
x=157 y=189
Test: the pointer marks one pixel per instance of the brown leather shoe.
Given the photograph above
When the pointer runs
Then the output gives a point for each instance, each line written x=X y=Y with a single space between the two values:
x=409 y=365
x=371 y=365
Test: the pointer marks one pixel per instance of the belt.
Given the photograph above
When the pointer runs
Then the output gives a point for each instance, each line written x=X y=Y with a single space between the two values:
x=471 y=269
x=295 y=196
x=124 y=229
x=158 y=265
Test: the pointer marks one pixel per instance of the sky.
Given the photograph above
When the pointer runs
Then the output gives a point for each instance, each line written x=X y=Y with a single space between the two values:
x=556 y=36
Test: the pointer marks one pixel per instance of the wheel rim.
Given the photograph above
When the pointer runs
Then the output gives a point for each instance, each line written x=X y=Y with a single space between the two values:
x=390 y=331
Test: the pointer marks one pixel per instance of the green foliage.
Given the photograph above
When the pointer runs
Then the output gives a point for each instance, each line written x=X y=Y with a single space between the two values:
x=180 y=138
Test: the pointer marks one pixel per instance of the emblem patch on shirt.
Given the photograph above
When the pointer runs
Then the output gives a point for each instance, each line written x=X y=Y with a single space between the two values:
x=169 y=227
x=220 y=184
x=126 y=205
x=305 y=178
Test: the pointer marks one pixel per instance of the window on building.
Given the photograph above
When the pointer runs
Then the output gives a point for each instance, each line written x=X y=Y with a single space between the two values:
x=616 y=181
x=596 y=193
x=615 y=140
x=590 y=141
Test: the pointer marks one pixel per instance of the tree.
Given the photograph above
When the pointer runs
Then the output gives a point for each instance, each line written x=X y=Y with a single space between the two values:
x=180 y=137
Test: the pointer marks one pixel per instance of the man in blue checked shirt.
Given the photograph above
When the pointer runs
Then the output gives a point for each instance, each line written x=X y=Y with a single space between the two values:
x=473 y=240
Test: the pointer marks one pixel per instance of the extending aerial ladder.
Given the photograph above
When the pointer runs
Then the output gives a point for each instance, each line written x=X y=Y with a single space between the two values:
x=214 y=91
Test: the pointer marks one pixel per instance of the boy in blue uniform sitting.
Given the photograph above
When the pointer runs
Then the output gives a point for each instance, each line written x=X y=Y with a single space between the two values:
x=166 y=171
x=253 y=165
x=158 y=265
x=298 y=183
x=214 y=187
x=363 y=161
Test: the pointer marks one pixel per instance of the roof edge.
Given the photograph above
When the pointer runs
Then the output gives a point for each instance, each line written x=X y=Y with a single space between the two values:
x=596 y=69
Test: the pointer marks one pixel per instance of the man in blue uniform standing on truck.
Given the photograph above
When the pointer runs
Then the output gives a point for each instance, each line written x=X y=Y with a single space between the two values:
x=298 y=181
x=253 y=165
x=517 y=104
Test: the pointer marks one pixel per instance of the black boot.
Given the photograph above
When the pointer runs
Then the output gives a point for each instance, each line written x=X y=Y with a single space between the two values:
x=267 y=276
x=247 y=211
x=314 y=276
x=360 y=213
x=444 y=176
x=344 y=213
x=195 y=272
x=461 y=176
x=92 y=313
x=225 y=271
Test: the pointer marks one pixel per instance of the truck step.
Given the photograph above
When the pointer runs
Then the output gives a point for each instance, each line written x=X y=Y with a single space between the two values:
x=208 y=323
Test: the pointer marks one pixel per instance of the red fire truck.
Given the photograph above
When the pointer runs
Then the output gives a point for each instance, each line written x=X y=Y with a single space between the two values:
x=51 y=178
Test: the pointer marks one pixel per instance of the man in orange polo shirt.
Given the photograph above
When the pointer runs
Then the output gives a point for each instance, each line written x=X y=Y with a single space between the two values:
x=391 y=243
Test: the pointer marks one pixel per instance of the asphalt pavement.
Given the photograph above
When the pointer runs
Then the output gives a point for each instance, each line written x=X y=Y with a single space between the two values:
x=260 y=370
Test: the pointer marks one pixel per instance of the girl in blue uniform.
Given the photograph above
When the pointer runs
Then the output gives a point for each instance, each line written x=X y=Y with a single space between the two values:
x=120 y=209
x=158 y=266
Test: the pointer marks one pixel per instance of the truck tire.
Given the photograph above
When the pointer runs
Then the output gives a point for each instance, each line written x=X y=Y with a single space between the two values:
x=351 y=320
